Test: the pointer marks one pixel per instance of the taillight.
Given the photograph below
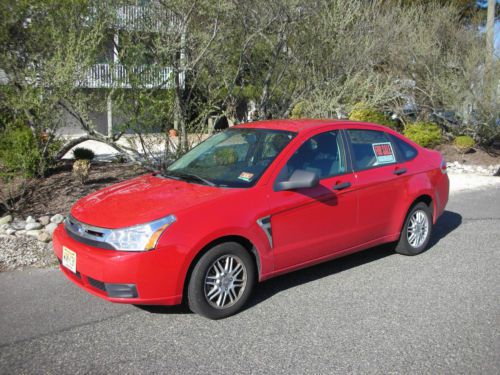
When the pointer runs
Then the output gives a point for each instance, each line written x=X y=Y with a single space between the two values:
x=443 y=166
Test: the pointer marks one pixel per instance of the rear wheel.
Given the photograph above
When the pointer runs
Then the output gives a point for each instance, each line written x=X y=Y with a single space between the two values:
x=416 y=231
x=221 y=281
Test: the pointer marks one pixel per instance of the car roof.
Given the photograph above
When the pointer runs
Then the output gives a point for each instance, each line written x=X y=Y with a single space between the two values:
x=301 y=125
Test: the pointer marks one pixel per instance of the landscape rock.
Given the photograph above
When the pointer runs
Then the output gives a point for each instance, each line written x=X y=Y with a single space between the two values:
x=44 y=220
x=4 y=227
x=10 y=231
x=30 y=219
x=58 y=218
x=44 y=237
x=33 y=233
x=51 y=228
x=21 y=232
x=18 y=224
x=490 y=170
x=32 y=226
x=6 y=219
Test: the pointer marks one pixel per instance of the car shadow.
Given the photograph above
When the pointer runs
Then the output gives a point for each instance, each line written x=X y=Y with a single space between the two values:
x=446 y=224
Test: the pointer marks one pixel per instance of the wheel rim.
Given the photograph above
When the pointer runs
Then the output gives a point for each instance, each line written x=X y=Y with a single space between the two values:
x=225 y=281
x=418 y=229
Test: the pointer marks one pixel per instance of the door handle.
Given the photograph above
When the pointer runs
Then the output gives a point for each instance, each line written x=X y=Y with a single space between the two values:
x=399 y=171
x=342 y=186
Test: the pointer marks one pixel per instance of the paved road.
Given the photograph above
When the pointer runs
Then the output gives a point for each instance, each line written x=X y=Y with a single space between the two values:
x=373 y=312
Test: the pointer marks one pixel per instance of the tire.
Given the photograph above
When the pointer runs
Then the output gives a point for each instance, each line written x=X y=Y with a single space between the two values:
x=222 y=281
x=420 y=215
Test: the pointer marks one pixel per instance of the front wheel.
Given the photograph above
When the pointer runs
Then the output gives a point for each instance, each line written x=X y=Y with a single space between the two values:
x=221 y=281
x=416 y=231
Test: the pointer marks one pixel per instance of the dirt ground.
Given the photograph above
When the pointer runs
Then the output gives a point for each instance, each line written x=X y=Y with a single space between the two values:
x=59 y=191
x=476 y=157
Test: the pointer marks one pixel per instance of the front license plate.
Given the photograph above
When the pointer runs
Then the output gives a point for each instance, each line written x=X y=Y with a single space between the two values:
x=69 y=259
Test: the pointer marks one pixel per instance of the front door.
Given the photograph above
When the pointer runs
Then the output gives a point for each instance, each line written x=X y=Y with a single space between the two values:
x=313 y=223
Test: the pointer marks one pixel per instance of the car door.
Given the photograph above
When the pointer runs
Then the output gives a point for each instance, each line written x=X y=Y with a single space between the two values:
x=380 y=182
x=312 y=223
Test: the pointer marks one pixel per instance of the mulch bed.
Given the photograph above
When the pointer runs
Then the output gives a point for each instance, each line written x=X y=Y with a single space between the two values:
x=476 y=157
x=60 y=190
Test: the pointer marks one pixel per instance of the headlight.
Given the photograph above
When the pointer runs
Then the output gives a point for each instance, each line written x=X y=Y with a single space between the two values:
x=140 y=237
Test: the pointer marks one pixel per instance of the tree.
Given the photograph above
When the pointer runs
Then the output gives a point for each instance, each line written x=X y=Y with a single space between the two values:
x=45 y=49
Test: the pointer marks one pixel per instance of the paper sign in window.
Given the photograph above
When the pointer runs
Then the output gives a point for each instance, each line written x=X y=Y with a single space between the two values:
x=384 y=153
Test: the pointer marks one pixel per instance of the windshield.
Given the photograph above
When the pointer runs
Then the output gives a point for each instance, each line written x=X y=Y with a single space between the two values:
x=234 y=158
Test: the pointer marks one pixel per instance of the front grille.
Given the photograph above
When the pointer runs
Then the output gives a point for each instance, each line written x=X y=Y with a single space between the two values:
x=87 y=234
x=96 y=284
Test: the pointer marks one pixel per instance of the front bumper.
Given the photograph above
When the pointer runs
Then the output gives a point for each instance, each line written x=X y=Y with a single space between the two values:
x=153 y=277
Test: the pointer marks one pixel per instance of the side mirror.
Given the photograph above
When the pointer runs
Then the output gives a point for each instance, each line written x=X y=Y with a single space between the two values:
x=298 y=180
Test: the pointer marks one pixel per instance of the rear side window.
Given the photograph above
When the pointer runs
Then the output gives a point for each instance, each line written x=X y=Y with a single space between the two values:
x=406 y=150
x=370 y=148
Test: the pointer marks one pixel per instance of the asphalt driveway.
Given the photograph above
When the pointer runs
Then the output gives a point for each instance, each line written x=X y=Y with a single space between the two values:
x=372 y=312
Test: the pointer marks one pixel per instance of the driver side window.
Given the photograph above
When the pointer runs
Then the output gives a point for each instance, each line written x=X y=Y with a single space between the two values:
x=323 y=154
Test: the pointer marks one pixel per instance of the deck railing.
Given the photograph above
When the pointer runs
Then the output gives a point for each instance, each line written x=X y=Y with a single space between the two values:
x=117 y=76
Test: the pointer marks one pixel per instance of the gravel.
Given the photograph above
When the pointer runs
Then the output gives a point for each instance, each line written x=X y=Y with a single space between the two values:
x=22 y=252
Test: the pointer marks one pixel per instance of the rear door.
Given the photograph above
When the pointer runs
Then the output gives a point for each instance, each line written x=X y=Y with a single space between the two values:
x=380 y=182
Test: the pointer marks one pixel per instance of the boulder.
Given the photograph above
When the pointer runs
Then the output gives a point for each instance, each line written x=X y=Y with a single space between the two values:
x=44 y=220
x=33 y=233
x=18 y=224
x=30 y=219
x=58 y=218
x=6 y=219
x=51 y=228
x=10 y=231
x=33 y=226
x=43 y=236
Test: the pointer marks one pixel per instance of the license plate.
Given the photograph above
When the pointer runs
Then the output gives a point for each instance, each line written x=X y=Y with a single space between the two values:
x=69 y=259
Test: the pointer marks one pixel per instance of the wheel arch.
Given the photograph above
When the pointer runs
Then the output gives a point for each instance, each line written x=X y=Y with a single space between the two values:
x=428 y=200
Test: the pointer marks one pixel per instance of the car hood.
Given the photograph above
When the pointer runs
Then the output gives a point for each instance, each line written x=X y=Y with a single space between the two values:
x=141 y=200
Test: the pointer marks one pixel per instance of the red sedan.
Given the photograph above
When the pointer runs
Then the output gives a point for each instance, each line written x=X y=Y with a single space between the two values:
x=250 y=203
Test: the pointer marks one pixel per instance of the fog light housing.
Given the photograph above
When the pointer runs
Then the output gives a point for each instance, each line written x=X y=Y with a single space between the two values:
x=121 y=290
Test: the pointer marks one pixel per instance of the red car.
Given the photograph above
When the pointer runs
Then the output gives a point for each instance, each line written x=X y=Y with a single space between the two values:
x=250 y=203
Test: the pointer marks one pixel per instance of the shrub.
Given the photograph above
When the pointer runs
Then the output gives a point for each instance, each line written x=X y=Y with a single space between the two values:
x=464 y=143
x=19 y=154
x=81 y=168
x=298 y=110
x=362 y=112
x=82 y=153
x=426 y=134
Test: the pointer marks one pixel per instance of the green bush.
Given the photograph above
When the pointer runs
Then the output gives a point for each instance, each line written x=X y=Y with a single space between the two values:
x=426 y=134
x=18 y=152
x=464 y=143
x=298 y=110
x=82 y=153
x=362 y=112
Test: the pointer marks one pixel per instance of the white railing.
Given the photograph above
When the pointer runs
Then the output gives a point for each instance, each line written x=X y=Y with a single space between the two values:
x=150 y=17
x=117 y=76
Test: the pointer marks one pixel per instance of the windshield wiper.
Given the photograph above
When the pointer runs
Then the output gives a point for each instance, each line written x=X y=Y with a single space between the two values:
x=198 y=178
x=189 y=177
